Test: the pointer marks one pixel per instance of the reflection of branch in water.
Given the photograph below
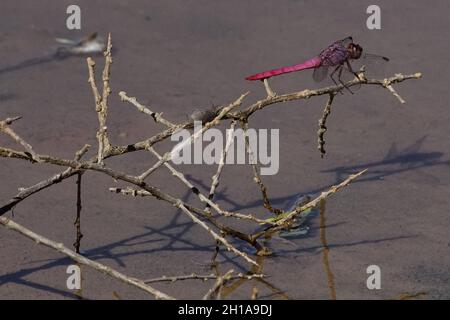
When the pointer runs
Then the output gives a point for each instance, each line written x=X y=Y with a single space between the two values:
x=79 y=292
x=411 y=296
x=325 y=251
x=229 y=289
x=215 y=291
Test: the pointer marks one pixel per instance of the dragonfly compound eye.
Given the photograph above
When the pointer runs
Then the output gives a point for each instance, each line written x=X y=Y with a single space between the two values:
x=355 y=51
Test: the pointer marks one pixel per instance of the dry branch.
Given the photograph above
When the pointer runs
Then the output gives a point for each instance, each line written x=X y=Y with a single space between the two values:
x=256 y=175
x=155 y=192
x=203 y=198
x=270 y=92
x=101 y=101
x=204 y=277
x=26 y=192
x=215 y=290
x=223 y=228
x=322 y=196
x=288 y=217
x=169 y=155
x=5 y=128
x=215 y=235
x=306 y=94
x=157 y=117
x=215 y=178
x=10 y=224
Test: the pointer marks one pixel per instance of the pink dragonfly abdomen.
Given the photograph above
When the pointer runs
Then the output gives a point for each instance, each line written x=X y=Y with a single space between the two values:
x=309 y=64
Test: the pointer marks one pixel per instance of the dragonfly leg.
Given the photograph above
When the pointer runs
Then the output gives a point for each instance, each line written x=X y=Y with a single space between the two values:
x=351 y=69
x=332 y=73
x=340 y=80
x=339 y=67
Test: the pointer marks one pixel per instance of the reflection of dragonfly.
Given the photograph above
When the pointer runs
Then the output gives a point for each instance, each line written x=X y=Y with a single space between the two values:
x=337 y=55
x=91 y=44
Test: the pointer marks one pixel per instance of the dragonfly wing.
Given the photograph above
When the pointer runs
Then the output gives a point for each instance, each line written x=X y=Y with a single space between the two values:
x=346 y=41
x=320 y=73
x=347 y=75
x=374 y=65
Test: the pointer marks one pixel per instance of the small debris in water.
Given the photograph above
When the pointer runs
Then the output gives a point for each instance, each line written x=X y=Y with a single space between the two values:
x=299 y=228
x=207 y=115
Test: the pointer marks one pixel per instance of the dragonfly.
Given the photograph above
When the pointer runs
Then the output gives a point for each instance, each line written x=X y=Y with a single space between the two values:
x=336 y=57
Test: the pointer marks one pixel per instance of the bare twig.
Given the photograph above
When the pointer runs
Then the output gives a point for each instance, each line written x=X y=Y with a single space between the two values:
x=270 y=92
x=101 y=101
x=223 y=228
x=202 y=197
x=157 y=117
x=223 y=156
x=5 y=128
x=290 y=216
x=142 y=193
x=256 y=175
x=105 y=76
x=10 y=224
x=80 y=153
x=11 y=153
x=155 y=192
x=8 y=121
x=26 y=192
x=204 y=277
x=169 y=155
x=215 y=290
x=322 y=196
x=215 y=235
x=395 y=94
x=242 y=216
x=227 y=290
x=91 y=81
x=131 y=192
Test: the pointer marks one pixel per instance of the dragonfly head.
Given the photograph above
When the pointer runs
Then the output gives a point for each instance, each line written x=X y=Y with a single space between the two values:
x=354 y=50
